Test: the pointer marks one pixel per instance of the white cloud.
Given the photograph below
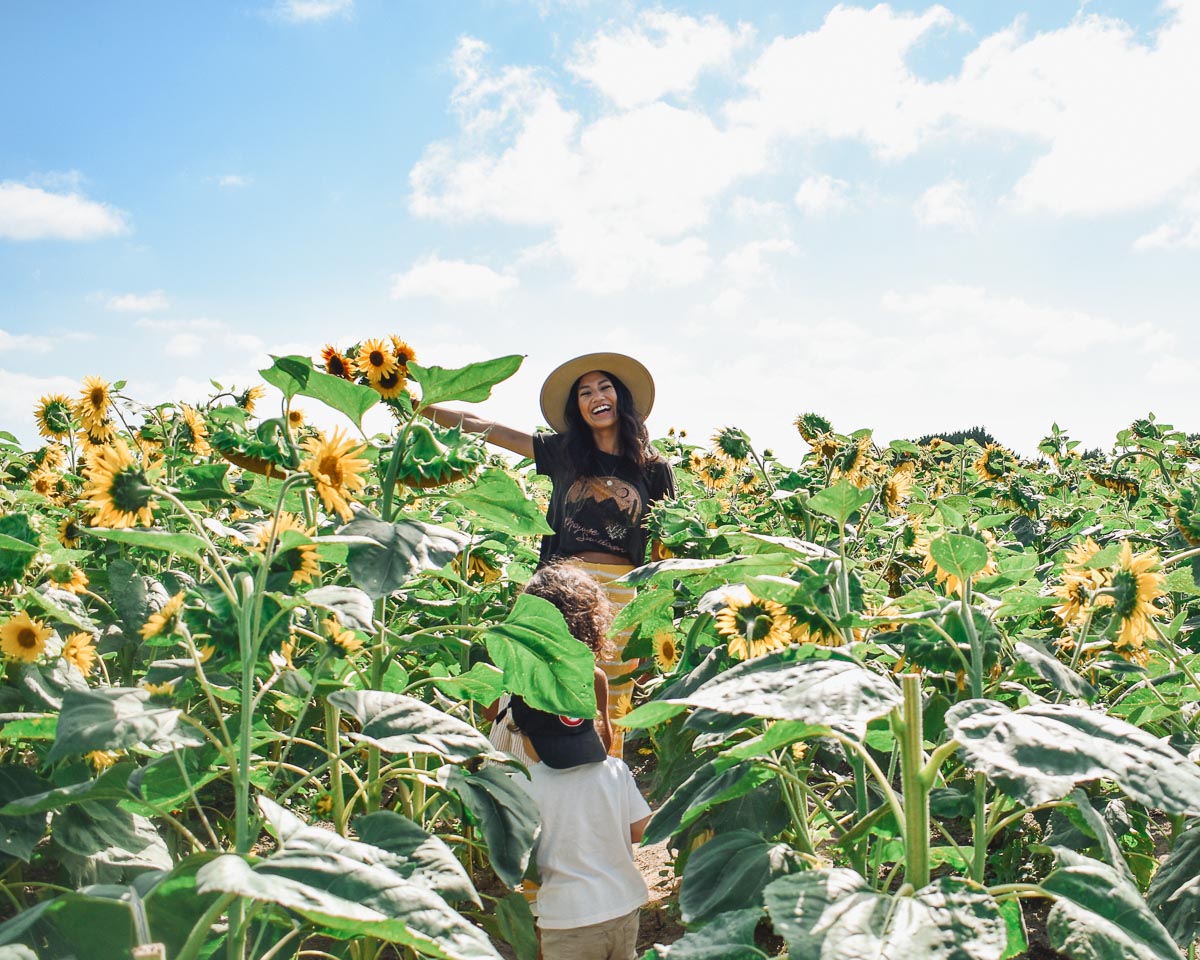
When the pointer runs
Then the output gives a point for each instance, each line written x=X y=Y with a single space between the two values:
x=747 y=265
x=38 y=343
x=234 y=180
x=822 y=194
x=312 y=11
x=201 y=336
x=664 y=53
x=621 y=196
x=138 y=302
x=945 y=204
x=454 y=281
x=31 y=213
x=1181 y=231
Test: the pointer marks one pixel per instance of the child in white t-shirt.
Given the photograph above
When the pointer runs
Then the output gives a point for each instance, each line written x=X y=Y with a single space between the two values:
x=591 y=810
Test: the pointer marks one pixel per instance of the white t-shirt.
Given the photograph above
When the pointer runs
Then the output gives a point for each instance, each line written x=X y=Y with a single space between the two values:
x=583 y=854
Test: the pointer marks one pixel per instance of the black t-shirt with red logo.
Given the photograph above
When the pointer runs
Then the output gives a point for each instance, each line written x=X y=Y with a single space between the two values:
x=604 y=512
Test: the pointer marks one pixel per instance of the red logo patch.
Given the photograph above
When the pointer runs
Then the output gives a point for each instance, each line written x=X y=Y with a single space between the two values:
x=570 y=721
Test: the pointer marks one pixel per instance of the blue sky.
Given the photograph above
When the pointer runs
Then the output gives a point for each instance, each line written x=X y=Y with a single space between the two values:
x=908 y=217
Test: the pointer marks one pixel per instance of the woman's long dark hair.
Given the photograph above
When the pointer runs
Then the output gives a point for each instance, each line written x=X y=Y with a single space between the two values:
x=631 y=429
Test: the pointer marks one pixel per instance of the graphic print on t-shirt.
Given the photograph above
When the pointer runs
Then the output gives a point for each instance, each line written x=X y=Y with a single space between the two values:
x=602 y=511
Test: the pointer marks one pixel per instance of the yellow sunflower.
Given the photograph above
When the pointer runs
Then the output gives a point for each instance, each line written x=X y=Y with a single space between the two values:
x=812 y=426
x=1079 y=583
x=620 y=706
x=69 y=532
x=337 y=363
x=166 y=620
x=666 y=650
x=79 y=650
x=159 y=691
x=336 y=470
x=251 y=395
x=714 y=474
x=404 y=353
x=303 y=559
x=53 y=414
x=375 y=360
x=194 y=431
x=391 y=385
x=23 y=639
x=93 y=403
x=52 y=455
x=1136 y=583
x=852 y=462
x=731 y=445
x=47 y=482
x=754 y=627
x=898 y=486
x=117 y=489
x=825 y=446
x=479 y=569
x=69 y=578
x=994 y=463
x=342 y=640
x=819 y=635
x=295 y=418
x=101 y=760
x=96 y=436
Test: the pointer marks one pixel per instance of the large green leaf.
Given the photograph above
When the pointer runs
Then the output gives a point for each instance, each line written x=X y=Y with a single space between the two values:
x=296 y=375
x=18 y=544
x=180 y=544
x=517 y=925
x=64 y=607
x=1099 y=914
x=506 y=814
x=483 y=683
x=471 y=384
x=725 y=568
x=352 y=606
x=116 y=718
x=1049 y=667
x=396 y=552
x=1040 y=752
x=396 y=723
x=832 y=693
x=163 y=784
x=1174 y=893
x=104 y=834
x=959 y=555
x=710 y=785
x=835 y=915
x=20 y=830
x=421 y=854
x=729 y=936
x=541 y=661
x=729 y=872
x=498 y=498
x=110 y=785
x=839 y=501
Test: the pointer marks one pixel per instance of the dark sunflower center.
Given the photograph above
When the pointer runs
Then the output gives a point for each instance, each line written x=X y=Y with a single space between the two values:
x=331 y=467
x=129 y=491
x=390 y=381
x=1125 y=592
x=376 y=358
x=27 y=638
x=668 y=649
x=71 y=530
x=97 y=398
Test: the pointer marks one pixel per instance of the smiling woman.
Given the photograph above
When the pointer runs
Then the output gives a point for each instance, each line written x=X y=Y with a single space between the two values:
x=604 y=474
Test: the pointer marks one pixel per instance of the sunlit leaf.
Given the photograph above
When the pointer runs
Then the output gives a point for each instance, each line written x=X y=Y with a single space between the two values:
x=470 y=384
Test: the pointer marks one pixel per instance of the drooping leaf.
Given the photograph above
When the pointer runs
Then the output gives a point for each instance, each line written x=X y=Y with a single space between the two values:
x=116 y=718
x=728 y=936
x=506 y=814
x=103 y=833
x=729 y=872
x=483 y=683
x=1041 y=752
x=710 y=785
x=397 y=552
x=470 y=384
x=1100 y=915
x=1174 y=893
x=20 y=830
x=110 y=785
x=63 y=606
x=541 y=661
x=832 y=693
x=835 y=915
x=425 y=855
x=498 y=498
x=352 y=606
x=517 y=925
x=396 y=723
x=296 y=375
x=1049 y=667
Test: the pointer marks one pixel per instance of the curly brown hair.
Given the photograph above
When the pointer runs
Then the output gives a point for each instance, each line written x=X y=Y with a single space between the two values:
x=581 y=601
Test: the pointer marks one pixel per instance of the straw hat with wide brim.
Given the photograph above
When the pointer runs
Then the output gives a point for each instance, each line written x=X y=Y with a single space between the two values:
x=557 y=387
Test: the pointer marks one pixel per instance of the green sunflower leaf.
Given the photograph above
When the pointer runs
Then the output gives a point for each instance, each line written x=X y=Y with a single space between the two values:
x=728 y=936
x=840 y=501
x=398 y=724
x=470 y=384
x=498 y=498
x=959 y=555
x=505 y=812
x=729 y=872
x=115 y=718
x=296 y=375
x=181 y=544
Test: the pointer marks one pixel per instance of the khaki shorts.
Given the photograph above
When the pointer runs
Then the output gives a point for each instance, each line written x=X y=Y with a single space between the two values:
x=610 y=940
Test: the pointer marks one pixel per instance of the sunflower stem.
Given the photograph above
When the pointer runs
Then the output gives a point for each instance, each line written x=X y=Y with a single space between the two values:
x=908 y=722
x=393 y=470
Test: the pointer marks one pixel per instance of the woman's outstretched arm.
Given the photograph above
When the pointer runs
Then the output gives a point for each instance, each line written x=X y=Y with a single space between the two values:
x=517 y=441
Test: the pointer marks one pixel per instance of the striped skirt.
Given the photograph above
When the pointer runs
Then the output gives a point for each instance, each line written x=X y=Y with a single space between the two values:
x=618 y=670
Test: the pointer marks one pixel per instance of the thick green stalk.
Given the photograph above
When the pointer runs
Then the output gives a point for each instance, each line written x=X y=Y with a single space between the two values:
x=916 y=793
x=980 y=831
x=335 y=771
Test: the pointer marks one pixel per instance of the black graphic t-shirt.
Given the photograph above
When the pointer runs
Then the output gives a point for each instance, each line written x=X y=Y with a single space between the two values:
x=603 y=512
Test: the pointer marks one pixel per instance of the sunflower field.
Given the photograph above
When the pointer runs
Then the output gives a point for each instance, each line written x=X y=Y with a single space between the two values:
x=898 y=701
